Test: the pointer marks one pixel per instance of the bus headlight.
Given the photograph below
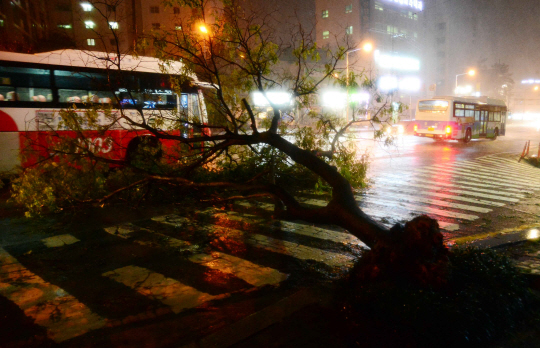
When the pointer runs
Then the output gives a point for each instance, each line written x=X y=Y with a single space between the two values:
x=448 y=130
x=415 y=127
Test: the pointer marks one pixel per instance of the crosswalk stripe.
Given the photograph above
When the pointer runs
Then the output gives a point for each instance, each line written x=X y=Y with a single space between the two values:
x=448 y=226
x=301 y=252
x=284 y=247
x=394 y=215
x=425 y=209
x=508 y=172
x=456 y=172
x=444 y=195
x=41 y=301
x=487 y=175
x=58 y=241
x=474 y=181
x=491 y=177
x=419 y=199
x=522 y=167
x=156 y=286
x=250 y=272
x=446 y=184
x=306 y=230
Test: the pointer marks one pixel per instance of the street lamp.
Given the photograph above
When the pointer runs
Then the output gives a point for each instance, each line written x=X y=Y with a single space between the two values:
x=367 y=47
x=470 y=73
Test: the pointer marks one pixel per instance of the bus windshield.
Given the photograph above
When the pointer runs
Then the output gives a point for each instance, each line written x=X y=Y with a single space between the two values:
x=433 y=106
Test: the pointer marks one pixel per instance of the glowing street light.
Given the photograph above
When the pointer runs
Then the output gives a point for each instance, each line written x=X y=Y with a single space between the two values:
x=471 y=72
x=366 y=47
x=535 y=88
x=203 y=29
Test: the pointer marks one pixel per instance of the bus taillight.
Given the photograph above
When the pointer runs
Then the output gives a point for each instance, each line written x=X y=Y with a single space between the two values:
x=448 y=130
x=415 y=127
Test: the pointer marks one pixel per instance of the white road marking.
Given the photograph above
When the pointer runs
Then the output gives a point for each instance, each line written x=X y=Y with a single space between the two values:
x=418 y=199
x=466 y=187
x=250 y=272
x=466 y=174
x=425 y=209
x=51 y=307
x=506 y=171
x=448 y=226
x=500 y=162
x=58 y=241
x=444 y=195
x=156 y=286
x=488 y=175
x=472 y=182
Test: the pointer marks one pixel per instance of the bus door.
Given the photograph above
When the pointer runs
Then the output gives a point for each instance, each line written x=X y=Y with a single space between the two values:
x=502 y=130
x=483 y=122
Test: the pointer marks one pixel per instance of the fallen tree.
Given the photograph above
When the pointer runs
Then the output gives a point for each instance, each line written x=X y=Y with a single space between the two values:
x=236 y=53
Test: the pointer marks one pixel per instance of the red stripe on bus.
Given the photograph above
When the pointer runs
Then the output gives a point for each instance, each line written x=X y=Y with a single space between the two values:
x=6 y=123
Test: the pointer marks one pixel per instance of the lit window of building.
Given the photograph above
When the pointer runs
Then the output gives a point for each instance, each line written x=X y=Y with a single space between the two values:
x=154 y=9
x=113 y=25
x=1 y=22
x=348 y=8
x=89 y=24
x=86 y=7
x=325 y=14
x=90 y=42
x=156 y=25
x=325 y=34
x=176 y=10
x=64 y=26
x=379 y=7
x=349 y=30
x=177 y=27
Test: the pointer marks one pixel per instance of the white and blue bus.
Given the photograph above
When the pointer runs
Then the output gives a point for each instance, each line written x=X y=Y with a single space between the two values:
x=460 y=118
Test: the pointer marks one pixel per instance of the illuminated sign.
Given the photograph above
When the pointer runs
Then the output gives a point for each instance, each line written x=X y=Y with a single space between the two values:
x=393 y=62
x=530 y=81
x=405 y=84
x=416 y=4
x=276 y=98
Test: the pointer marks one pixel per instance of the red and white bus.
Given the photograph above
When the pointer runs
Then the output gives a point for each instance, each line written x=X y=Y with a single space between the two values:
x=34 y=88
x=460 y=118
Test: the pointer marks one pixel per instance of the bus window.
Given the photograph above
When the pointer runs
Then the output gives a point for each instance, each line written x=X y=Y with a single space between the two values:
x=25 y=77
x=7 y=93
x=439 y=106
x=459 y=112
x=195 y=104
x=80 y=80
x=34 y=94
x=73 y=95
x=477 y=115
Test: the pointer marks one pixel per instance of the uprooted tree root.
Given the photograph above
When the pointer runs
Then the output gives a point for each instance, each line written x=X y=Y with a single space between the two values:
x=417 y=293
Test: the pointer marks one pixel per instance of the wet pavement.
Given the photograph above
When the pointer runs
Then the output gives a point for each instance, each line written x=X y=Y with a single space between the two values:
x=228 y=276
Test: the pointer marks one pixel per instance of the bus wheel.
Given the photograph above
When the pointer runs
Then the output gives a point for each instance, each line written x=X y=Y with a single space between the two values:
x=144 y=151
x=468 y=136
x=495 y=134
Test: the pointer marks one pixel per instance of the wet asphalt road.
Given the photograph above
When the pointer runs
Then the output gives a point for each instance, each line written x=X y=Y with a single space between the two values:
x=211 y=277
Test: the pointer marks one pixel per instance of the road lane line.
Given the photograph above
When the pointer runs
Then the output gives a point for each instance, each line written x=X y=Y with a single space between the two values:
x=443 y=195
x=156 y=286
x=51 y=307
